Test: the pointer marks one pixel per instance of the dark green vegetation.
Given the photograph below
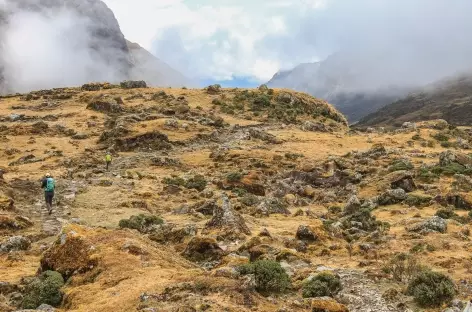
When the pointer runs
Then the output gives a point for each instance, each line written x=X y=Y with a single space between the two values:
x=431 y=289
x=46 y=288
x=269 y=275
x=324 y=284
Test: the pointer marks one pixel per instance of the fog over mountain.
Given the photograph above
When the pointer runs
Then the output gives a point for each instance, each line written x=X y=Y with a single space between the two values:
x=55 y=43
x=377 y=46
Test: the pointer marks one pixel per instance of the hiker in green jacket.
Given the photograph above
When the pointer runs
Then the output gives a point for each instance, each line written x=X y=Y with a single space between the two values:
x=49 y=186
x=108 y=159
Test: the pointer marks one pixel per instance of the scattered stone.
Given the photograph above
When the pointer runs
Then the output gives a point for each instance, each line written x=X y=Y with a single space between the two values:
x=462 y=183
x=203 y=249
x=353 y=205
x=15 y=243
x=167 y=233
x=402 y=180
x=133 y=84
x=304 y=233
x=392 y=197
x=230 y=223
x=314 y=126
x=434 y=224
x=449 y=157
x=271 y=205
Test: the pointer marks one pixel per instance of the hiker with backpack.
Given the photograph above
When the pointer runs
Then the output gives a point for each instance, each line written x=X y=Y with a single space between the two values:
x=108 y=159
x=49 y=185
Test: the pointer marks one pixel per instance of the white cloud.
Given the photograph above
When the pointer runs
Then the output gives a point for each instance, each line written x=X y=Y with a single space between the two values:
x=209 y=39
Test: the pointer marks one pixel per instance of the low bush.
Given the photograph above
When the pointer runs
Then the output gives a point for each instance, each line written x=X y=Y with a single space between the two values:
x=44 y=289
x=445 y=213
x=403 y=267
x=324 y=284
x=269 y=275
x=197 y=182
x=234 y=177
x=431 y=289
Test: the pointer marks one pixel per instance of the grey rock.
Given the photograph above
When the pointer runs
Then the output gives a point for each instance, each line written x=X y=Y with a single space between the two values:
x=15 y=243
x=353 y=205
x=391 y=197
x=434 y=224
x=304 y=233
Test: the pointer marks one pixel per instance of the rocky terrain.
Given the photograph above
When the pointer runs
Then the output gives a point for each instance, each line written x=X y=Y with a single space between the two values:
x=448 y=99
x=227 y=200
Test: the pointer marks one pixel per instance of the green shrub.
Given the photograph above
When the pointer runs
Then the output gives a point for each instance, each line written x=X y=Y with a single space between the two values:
x=431 y=289
x=427 y=176
x=441 y=137
x=260 y=102
x=421 y=247
x=293 y=156
x=403 y=267
x=470 y=214
x=445 y=213
x=197 y=182
x=140 y=222
x=399 y=165
x=416 y=137
x=324 y=284
x=234 y=177
x=449 y=170
x=418 y=200
x=43 y=289
x=250 y=200
x=335 y=209
x=174 y=181
x=446 y=144
x=269 y=275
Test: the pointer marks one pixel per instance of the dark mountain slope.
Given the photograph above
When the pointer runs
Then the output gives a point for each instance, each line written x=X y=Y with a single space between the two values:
x=450 y=100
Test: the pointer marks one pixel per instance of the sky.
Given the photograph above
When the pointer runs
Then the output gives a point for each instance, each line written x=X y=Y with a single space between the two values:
x=215 y=40
x=248 y=41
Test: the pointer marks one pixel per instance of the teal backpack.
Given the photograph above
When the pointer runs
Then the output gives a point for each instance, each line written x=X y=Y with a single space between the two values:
x=50 y=185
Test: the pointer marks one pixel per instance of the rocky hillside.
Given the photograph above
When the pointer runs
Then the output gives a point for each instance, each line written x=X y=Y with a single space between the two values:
x=110 y=56
x=227 y=200
x=449 y=100
x=342 y=82
x=154 y=71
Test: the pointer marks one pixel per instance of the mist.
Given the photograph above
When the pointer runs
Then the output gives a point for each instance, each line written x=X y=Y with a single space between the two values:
x=382 y=43
x=54 y=45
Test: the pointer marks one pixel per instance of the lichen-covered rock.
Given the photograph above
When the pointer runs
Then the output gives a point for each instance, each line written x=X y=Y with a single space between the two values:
x=402 y=180
x=434 y=224
x=462 y=183
x=104 y=104
x=15 y=243
x=306 y=234
x=353 y=205
x=203 y=249
x=227 y=221
x=392 y=197
x=449 y=157
x=133 y=84
x=168 y=233
x=271 y=205
x=6 y=203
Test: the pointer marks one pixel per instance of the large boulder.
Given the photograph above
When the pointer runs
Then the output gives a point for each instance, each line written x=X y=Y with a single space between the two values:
x=306 y=234
x=434 y=224
x=227 y=221
x=448 y=158
x=392 y=197
x=402 y=180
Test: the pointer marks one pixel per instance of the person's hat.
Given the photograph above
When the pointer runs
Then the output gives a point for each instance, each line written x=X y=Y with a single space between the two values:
x=48 y=175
